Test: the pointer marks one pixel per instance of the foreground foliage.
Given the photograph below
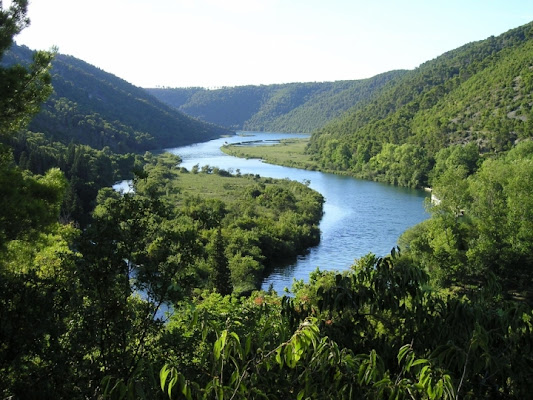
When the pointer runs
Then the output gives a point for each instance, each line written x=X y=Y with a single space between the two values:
x=373 y=332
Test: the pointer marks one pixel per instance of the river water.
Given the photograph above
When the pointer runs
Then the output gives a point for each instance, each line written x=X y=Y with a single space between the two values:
x=359 y=216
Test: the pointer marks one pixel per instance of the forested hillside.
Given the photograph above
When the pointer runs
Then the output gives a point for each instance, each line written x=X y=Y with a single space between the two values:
x=91 y=126
x=294 y=107
x=480 y=93
x=147 y=300
x=92 y=107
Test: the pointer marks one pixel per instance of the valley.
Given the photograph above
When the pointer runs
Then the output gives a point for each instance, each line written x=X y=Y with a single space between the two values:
x=411 y=299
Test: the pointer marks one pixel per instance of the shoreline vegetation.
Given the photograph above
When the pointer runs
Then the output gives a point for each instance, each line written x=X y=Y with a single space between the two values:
x=288 y=153
x=263 y=220
x=293 y=153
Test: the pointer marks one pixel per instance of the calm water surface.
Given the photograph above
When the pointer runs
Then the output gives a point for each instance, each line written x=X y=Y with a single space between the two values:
x=359 y=216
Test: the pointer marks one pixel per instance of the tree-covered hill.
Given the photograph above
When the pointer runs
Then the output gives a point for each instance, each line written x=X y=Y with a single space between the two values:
x=83 y=306
x=480 y=92
x=90 y=106
x=293 y=107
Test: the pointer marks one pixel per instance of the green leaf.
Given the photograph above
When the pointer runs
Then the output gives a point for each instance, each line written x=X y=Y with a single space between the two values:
x=194 y=321
x=171 y=385
x=279 y=359
x=361 y=373
x=419 y=361
x=248 y=345
x=403 y=351
x=234 y=377
x=383 y=382
x=163 y=374
x=236 y=337
x=220 y=344
x=188 y=393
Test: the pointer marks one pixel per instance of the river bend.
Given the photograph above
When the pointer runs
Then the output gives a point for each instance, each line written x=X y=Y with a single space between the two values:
x=359 y=216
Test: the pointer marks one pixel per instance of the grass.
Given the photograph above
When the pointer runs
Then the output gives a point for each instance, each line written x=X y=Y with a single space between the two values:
x=289 y=153
x=214 y=186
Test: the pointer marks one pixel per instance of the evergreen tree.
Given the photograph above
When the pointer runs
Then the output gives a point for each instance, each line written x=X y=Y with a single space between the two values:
x=219 y=262
x=22 y=89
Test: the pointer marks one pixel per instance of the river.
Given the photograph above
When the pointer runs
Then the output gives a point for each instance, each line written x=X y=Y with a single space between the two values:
x=359 y=216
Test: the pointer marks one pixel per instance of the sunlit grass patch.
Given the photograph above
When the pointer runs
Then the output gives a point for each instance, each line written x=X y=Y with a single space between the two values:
x=289 y=153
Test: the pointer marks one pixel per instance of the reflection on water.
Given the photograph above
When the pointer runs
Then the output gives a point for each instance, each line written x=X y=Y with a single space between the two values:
x=359 y=216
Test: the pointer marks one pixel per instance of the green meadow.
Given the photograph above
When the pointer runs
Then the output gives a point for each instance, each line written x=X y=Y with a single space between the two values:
x=289 y=153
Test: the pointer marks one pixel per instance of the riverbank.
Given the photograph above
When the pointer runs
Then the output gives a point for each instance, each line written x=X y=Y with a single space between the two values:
x=360 y=216
x=264 y=221
x=288 y=153
x=292 y=153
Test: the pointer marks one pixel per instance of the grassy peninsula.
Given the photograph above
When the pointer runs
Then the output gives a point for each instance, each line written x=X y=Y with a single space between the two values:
x=289 y=153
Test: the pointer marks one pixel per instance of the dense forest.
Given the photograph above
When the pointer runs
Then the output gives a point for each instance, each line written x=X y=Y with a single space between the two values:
x=92 y=107
x=480 y=93
x=93 y=126
x=149 y=294
x=293 y=107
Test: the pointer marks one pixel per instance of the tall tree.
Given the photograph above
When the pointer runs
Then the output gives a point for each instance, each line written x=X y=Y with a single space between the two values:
x=22 y=88
x=34 y=270
x=221 y=271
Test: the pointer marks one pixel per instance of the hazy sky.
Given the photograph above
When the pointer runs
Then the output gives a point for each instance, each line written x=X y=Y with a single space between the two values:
x=213 y=43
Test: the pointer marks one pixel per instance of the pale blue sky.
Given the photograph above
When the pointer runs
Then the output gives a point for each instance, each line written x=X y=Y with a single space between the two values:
x=213 y=43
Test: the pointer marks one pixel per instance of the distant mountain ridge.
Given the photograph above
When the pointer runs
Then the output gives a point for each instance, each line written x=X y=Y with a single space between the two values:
x=292 y=107
x=90 y=106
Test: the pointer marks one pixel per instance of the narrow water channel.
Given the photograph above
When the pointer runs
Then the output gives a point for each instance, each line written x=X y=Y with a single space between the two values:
x=359 y=216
